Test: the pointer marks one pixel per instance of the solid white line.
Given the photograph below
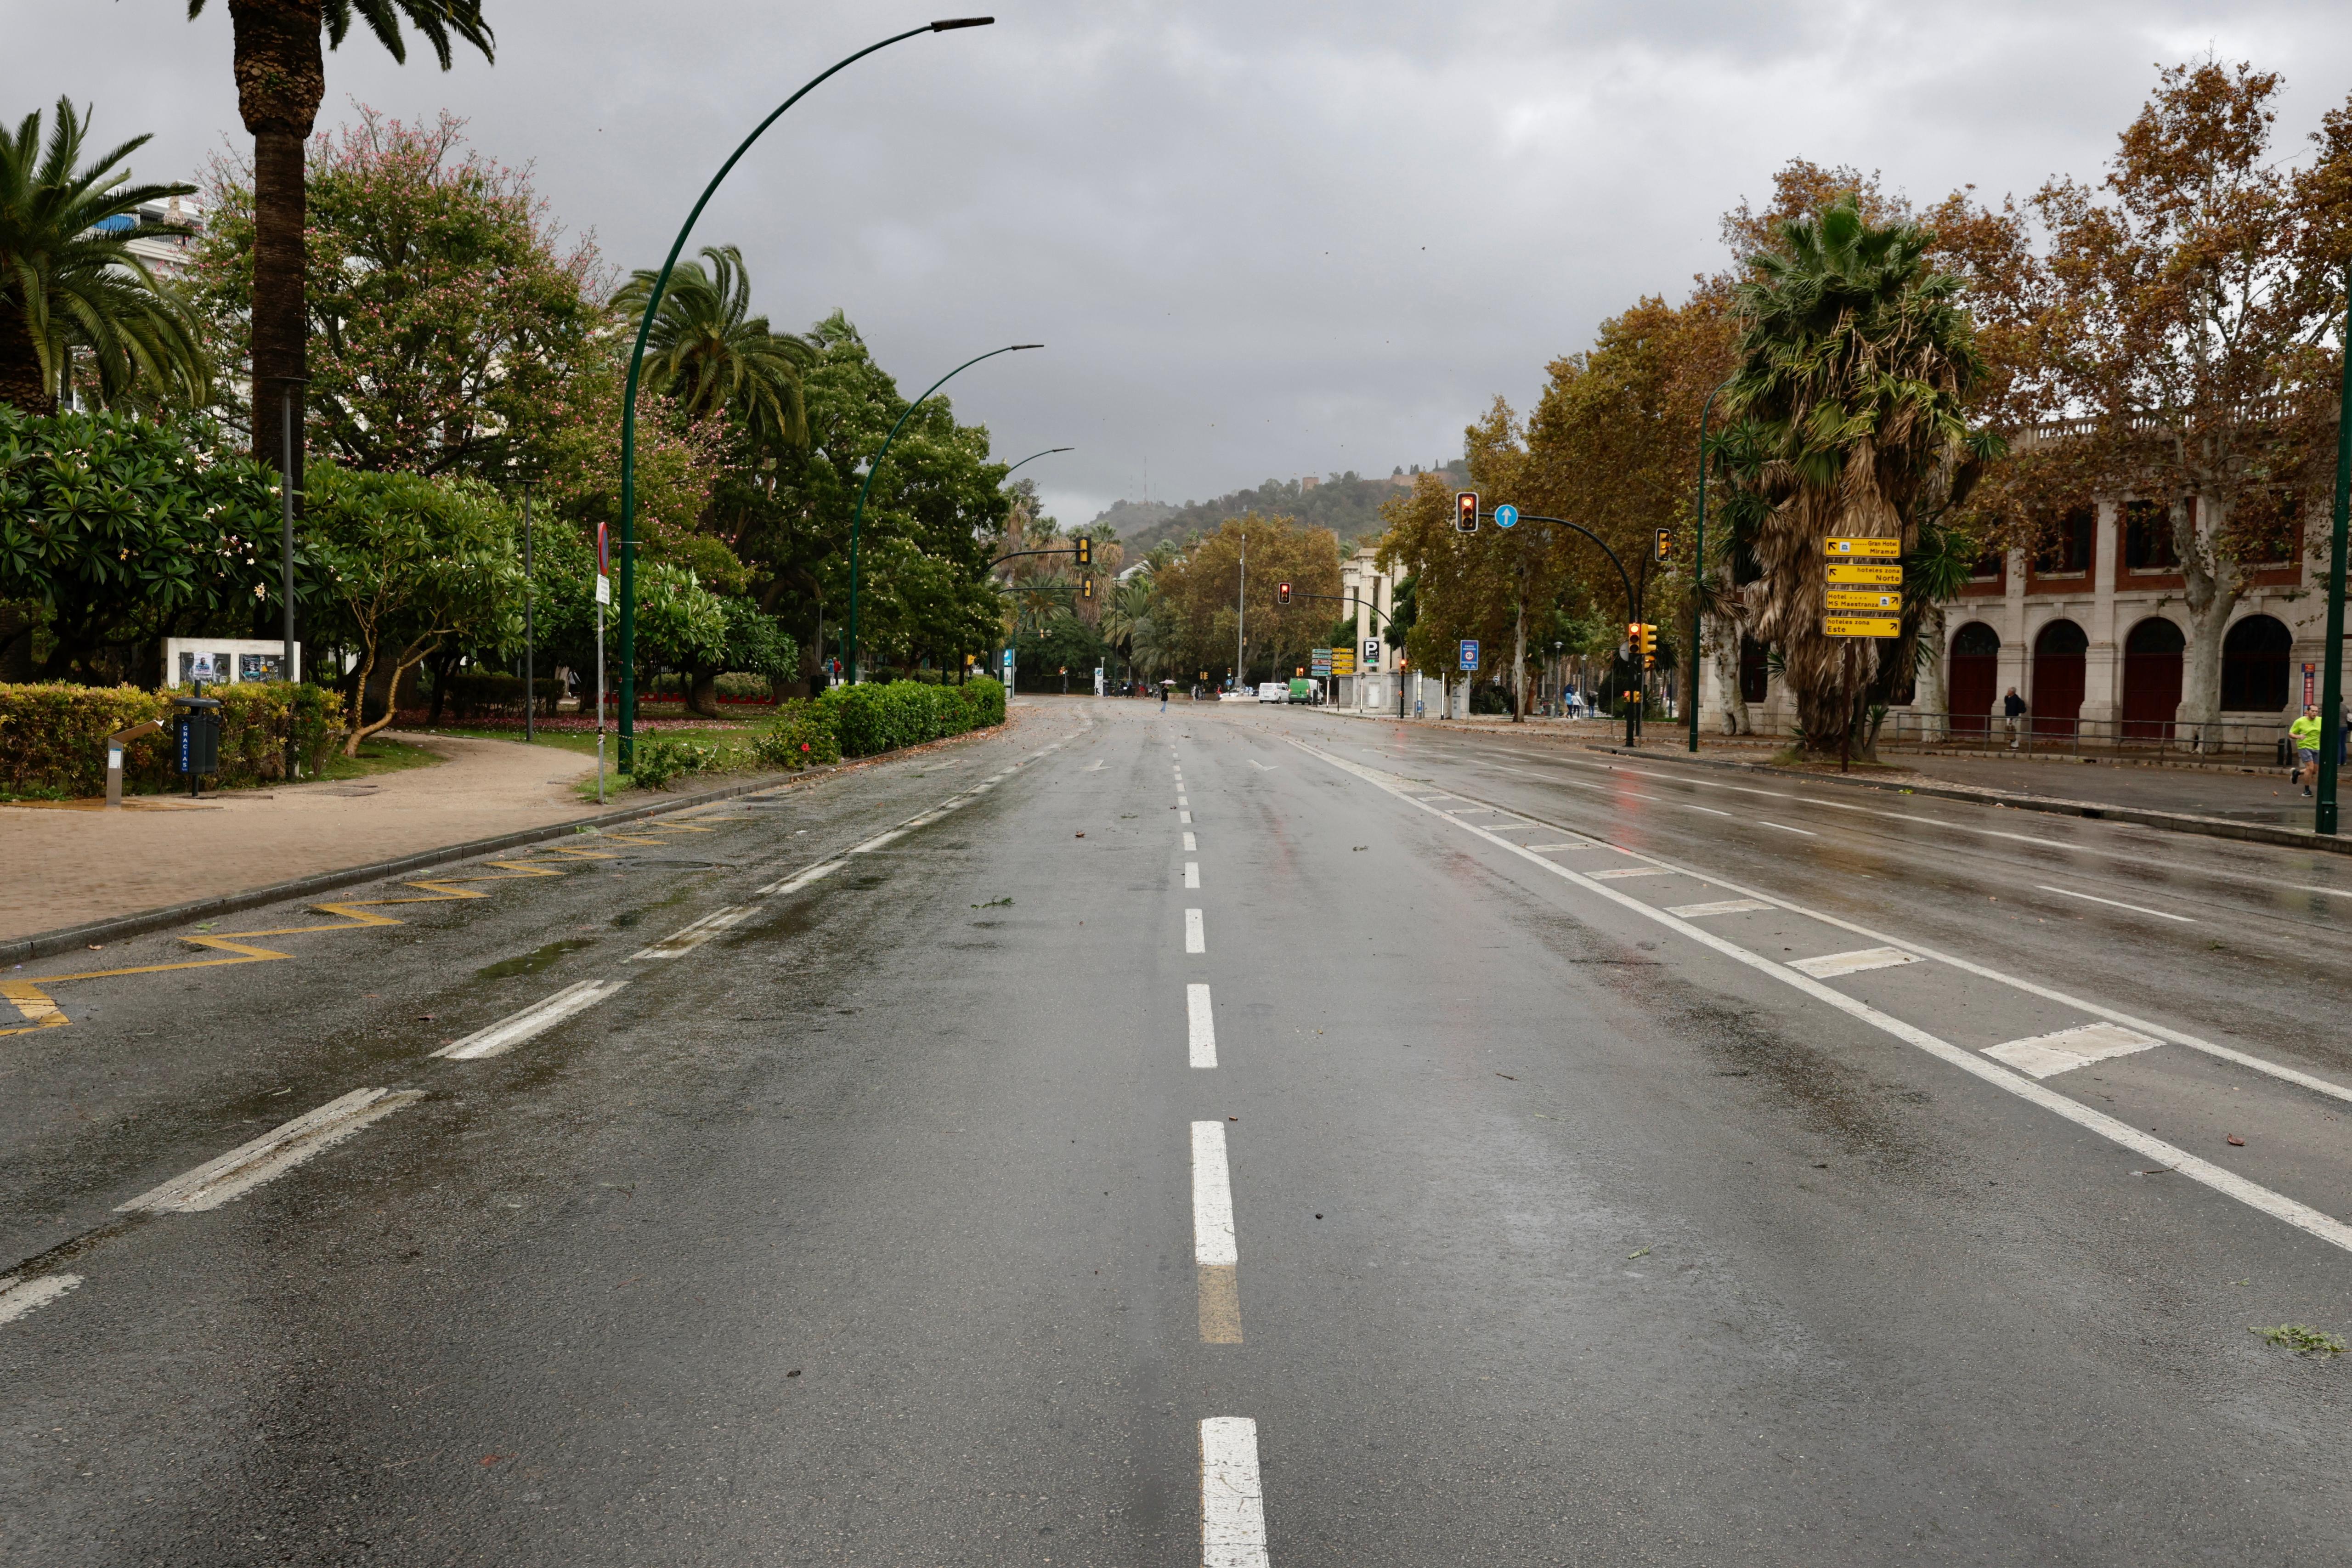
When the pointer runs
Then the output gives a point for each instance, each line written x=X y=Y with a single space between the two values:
x=1191 y=873
x=1196 y=936
x=2113 y=903
x=1199 y=1025
x=1190 y=846
x=1232 y=1499
x=538 y=1018
x=272 y=1155
x=1630 y=871
x=794 y=883
x=687 y=938
x=2045 y=1056
x=1720 y=907
x=1781 y=825
x=19 y=1297
x=1829 y=966
x=2278 y=1206
x=1212 y=1197
x=876 y=842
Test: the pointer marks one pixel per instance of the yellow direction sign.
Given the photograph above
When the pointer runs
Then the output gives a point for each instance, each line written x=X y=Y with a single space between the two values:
x=1865 y=572
x=1343 y=661
x=1855 y=549
x=1857 y=602
x=1861 y=625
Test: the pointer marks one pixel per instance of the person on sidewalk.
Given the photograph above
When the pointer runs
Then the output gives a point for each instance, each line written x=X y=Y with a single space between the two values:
x=2013 y=709
x=2304 y=732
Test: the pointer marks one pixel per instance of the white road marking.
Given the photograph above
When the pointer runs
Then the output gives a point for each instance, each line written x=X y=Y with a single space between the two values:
x=1720 y=907
x=1261 y=767
x=1549 y=847
x=1191 y=873
x=1212 y=1197
x=1196 y=936
x=19 y=1297
x=1781 y=825
x=2278 y=1206
x=1627 y=871
x=2045 y=1056
x=1202 y=1028
x=1831 y=964
x=687 y=938
x=1190 y=846
x=876 y=842
x=1232 y=1499
x=272 y=1155
x=536 y=1019
x=799 y=879
x=1708 y=809
x=2113 y=903
x=1182 y=801
x=1183 y=816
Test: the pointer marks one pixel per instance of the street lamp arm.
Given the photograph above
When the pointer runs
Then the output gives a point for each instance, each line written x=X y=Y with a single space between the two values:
x=1064 y=549
x=636 y=366
x=858 y=518
x=1366 y=605
x=1633 y=605
x=1035 y=456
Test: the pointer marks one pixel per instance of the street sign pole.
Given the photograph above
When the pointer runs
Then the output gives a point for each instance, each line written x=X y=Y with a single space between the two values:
x=2331 y=712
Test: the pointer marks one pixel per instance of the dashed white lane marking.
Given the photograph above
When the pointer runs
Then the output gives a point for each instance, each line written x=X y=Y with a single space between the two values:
x=1627 y=871
x=1191 y=873
x=19 y=1297
x=2113 y=903
x=1183 y=816
x=1190 y=846
x=1232 y=1499
x=1805 y=832
x=876 y=842
x=1199 y=1027
x=1212 y=1197
x=1831 y=964
x=2228 y=1182
x=799 y=879
x=1708 y=809
x=1182 y=801
x=687 y=938
x=272 y=1155
x=2045 y=1056
x=1196 y=936
x=1720 y=906
x=536 y=1019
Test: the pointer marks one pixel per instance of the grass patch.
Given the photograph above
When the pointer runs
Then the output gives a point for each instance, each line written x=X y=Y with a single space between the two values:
x=2300 y=1338
x=377 y=755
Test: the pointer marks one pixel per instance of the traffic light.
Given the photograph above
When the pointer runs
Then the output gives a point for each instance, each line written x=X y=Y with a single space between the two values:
x=1645 y=637
x=1465 y=511
x=1085 y=588
x=1282 y=592
x=1665 y=550
x=1085 y=551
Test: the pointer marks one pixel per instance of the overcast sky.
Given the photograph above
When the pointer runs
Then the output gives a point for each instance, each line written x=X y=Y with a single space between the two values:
x=1260 y=238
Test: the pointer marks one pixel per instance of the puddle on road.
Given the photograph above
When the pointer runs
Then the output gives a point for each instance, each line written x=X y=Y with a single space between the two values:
x=533 y=962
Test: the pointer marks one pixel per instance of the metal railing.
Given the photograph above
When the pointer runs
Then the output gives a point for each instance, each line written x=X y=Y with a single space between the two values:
x=2239 y=739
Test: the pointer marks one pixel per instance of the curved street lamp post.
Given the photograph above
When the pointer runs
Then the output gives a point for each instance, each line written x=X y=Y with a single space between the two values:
x=636 y=361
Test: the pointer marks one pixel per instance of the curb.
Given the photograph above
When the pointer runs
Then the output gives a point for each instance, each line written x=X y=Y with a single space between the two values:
x=2169 y=821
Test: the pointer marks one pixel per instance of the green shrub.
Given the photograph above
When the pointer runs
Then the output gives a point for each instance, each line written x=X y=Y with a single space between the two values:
x=659 y=761
x=740 y=683
x=801 y=736
x=52 y=736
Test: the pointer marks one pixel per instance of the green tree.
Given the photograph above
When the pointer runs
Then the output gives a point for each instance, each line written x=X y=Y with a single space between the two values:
x=1197 y=598
x=447 y=319
x=1855 y=365
x=69 y=280
x=710 y=355
x=281 y=77
x=409 y=565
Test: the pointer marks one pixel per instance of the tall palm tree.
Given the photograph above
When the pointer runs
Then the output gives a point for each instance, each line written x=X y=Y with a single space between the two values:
x=66 y=283
x=281 y=77
x=709 y=352
x=1856 y=360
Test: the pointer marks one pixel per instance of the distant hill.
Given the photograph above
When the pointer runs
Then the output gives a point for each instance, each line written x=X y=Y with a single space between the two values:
x=1348 y=504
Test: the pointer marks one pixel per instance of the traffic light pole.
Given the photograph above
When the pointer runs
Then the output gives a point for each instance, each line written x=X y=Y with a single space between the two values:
x=1632 y=599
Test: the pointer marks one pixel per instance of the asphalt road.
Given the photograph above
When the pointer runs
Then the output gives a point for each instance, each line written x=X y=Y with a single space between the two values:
x=1459 y=1150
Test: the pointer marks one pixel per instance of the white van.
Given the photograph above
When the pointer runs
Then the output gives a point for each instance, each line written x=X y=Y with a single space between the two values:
x=1273 y=691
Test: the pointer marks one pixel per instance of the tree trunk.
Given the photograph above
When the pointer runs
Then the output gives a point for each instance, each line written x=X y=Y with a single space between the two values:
x=702 y=693
x=2213 y=587
x=281 y=76
x=1519 y=665
x=22 y=386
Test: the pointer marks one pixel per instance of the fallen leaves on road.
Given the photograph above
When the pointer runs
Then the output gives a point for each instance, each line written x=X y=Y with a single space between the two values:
x=2236 y=1142
x=1630 y=1255
x=1082 y=836
x=2300 y=1338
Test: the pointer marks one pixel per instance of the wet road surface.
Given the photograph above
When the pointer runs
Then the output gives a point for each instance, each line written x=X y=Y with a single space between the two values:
x=1237 y=1136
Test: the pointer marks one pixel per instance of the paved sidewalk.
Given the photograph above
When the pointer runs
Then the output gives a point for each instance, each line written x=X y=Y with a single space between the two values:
x=67 y=866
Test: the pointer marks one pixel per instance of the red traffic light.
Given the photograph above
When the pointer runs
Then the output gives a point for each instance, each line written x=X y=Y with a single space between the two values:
x=1282 y=592
x=1465 y=511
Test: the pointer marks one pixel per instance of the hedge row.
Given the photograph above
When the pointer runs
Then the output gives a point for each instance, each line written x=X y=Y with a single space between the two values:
x=866 y=721
x=52 y=737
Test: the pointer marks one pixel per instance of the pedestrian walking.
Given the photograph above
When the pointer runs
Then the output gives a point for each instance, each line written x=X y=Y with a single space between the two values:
x=2304 y=732
x=2013 y=709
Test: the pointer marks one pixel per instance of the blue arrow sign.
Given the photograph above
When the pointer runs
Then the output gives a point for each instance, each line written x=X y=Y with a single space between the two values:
x=1469 y=653
x=1506 y=516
